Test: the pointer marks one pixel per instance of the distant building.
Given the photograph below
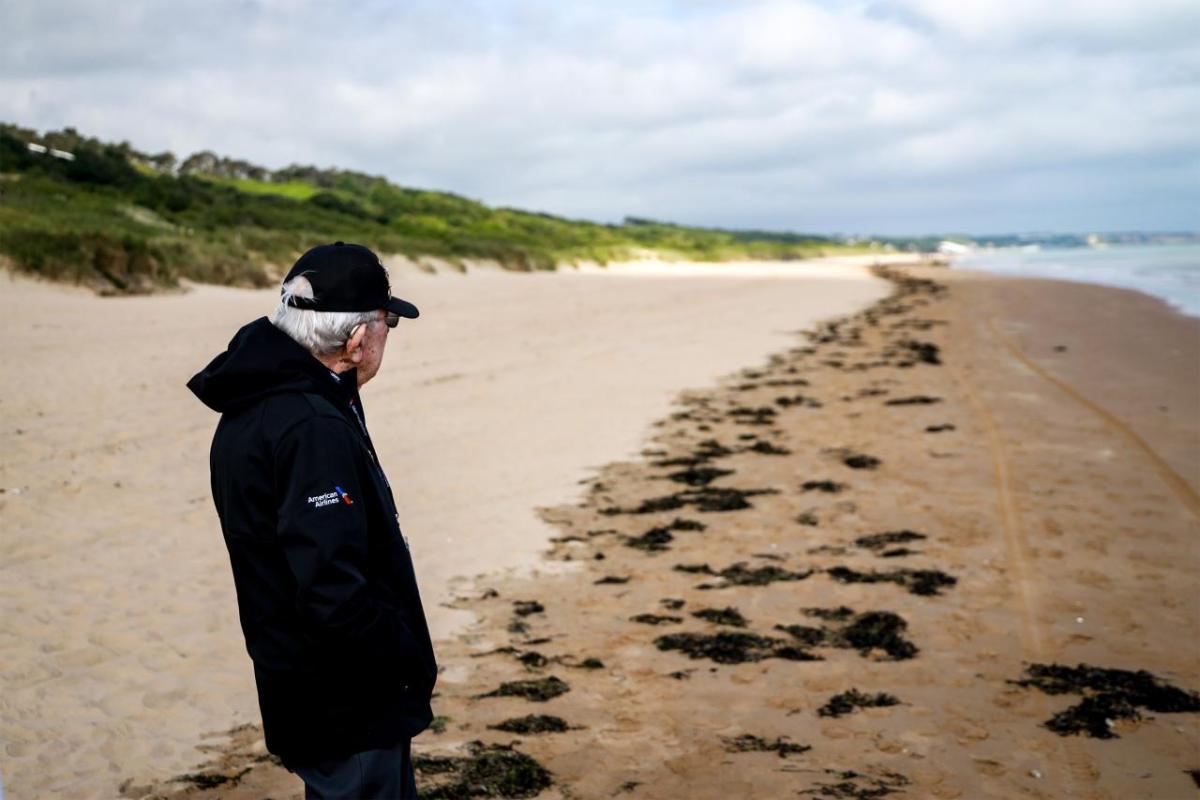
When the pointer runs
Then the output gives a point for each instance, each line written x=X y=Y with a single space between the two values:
x=41 y=149
x=949 y=248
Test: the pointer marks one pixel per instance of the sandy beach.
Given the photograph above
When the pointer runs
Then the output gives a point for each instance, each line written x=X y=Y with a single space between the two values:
x=120 y=643
x=825 y=568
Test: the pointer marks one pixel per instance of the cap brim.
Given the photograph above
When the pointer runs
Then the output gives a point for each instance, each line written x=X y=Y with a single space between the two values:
x=402 y=307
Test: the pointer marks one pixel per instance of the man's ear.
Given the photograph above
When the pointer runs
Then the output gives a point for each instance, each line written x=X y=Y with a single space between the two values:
x=354 y=353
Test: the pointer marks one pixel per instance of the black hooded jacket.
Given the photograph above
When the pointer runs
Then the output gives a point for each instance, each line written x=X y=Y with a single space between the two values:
x=325 y=585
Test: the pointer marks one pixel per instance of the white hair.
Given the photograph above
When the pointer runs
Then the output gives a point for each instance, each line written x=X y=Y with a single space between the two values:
x=319 y=332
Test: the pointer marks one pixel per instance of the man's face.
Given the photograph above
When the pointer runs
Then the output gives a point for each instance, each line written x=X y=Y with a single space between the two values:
x=372 y=346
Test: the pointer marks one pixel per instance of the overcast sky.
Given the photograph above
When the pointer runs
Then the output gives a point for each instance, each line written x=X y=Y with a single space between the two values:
x=889 y=117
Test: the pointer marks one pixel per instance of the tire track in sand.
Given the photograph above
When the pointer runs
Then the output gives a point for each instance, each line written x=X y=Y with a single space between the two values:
x=1183 y=491
x=1080 y=769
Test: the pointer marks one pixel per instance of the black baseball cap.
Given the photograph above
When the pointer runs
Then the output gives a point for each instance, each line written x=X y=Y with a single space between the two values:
x=346 y=277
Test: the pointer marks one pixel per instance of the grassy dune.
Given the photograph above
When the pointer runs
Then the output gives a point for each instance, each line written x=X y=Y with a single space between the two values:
x=124 y=221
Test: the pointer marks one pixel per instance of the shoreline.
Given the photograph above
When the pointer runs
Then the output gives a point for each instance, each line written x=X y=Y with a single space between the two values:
x=1039 y=531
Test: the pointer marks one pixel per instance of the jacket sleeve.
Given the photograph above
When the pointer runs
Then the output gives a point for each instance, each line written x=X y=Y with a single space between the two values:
x=324 y=538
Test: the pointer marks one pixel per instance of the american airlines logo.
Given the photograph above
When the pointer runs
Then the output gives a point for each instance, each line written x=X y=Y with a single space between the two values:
x=338 y=495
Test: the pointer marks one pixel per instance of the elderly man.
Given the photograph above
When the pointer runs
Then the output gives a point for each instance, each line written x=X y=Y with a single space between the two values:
x=325 y=585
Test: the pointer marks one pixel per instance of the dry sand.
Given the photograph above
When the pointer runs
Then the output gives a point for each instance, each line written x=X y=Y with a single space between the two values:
x=1032 y=449
x=119 y=642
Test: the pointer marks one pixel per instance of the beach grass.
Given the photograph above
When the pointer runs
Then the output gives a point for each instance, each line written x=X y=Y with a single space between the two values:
x=124 y=221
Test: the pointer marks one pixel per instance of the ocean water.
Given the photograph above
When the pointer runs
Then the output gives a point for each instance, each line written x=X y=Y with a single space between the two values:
x=1170 y=272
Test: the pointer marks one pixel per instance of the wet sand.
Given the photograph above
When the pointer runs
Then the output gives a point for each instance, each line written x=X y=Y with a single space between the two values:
x=120 y=650
x=850 y=571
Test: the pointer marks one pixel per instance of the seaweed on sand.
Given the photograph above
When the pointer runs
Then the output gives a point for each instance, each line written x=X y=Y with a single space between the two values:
x=853 y=785
x=924 y=582
x=523 y=608
x=705 y=451
x=860 y=461
x=797 y=400
x=539 y=690
x=871 y=630
x=612 y=579
x=699 y=476
x=655 y=619
x=652 y=541
x=768 y=449
x=722 y=616
x=741 y=575
x=878 y=541
x=532 y=723
x=748 y=743
x=1108 y=694
x=487 y=771
x=532 y=659
x=210 y=780
x=837 y=614
x=762 y=415
x=731 y=647
x=704 y=498
x=846 y=702
x=657 y=539
x=830 y=487
x=926 y=352
x=915 y=400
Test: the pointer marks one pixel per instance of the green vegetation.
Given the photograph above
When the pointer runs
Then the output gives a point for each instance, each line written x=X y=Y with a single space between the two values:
x=125 y=221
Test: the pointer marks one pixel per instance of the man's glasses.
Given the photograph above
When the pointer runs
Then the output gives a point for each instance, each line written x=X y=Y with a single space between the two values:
x=391 y=320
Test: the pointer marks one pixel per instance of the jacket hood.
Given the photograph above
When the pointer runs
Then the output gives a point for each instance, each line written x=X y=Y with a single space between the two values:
x=262 y=360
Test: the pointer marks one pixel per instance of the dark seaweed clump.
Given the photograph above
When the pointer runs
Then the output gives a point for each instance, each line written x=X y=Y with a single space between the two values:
x=740 y=575
x=847 y=702
x=831 y=487
x=488 y=771
x=837 y=614
x=722 y=616
x=652 y=541
x=917 y=581
x=538 y=690
x=768 y=449
x=1108 y=694
x=612 y=579
x=699 y=476
x=871 y=630
x=853 y=785
x=915 y=400
x=532 y=723
x=748 y=743
x=657 y=539
x=532 y=659
x=878 y=541
x=655 y=619
x=860 y=461
x=762 y=415
x=210 y=780
x=731 y=647
x=704 y=498
x=797 y=400
x=926 y=352
x=523 y=608
x=705 y=451
x=939 y=428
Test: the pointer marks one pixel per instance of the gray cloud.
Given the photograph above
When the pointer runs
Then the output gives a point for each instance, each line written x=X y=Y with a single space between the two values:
x=893 y=116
